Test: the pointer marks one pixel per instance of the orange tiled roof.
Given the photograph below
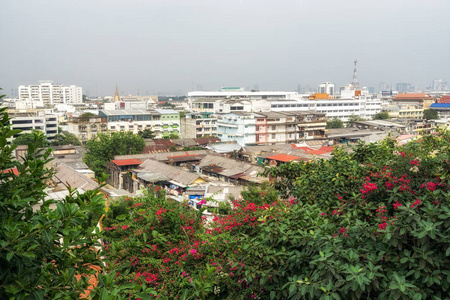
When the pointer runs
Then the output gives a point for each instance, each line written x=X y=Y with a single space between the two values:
x=127 y=162
x=284 y=157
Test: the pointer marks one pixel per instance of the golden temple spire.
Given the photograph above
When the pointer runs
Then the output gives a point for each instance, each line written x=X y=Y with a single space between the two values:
x=116 y=96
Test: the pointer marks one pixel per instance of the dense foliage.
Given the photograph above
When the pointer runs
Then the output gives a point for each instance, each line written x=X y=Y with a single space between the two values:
x=147 y=134
x=65 y=138
x=368 y=224
x=430 y=114
x=26 y=138
x=381 y=116
x=334 y=123
x=43 y=243
x=102 y=149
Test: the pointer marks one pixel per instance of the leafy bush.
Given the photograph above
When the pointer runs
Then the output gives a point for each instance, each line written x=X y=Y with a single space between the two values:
x=368 y=224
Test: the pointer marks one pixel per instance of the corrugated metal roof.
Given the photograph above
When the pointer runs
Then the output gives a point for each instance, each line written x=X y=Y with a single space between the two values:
x=171 y=172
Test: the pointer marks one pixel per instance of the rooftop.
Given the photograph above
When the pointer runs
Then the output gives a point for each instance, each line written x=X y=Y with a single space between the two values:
x=413 y=96
x=284 y=157
x=127 y=162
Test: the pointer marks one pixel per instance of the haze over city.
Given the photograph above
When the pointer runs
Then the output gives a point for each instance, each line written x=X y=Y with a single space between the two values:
x=172 y=47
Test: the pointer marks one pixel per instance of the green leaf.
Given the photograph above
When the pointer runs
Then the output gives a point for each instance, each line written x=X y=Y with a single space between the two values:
x=9 y=256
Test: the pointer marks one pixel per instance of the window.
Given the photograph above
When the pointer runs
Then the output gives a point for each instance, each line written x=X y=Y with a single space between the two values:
x=273 y=135
x=274 y=127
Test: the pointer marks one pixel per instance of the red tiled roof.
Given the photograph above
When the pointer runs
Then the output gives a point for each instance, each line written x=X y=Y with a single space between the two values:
x=412 y=96
x=127 y=162
x=284 y=157
x=12 y=170
x=320 y=151
x=444 y=99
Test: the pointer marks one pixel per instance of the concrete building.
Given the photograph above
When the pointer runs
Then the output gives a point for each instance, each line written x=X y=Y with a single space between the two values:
x=364 y=107
x=224 y=105
x=237 y=126
x=87 y=128
x=162 y=121
x=34 y=119
x=48 y=94
x=419 y=100
x=443 y=110
x=326 y=88
x=196 y=125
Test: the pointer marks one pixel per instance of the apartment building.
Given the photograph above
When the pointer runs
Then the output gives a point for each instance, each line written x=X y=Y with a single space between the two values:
x=34 y=119
x=48 y=94
x=196 y=125
x=237 y=126
x=86 y=128
x=271 y=127
x=162 y=121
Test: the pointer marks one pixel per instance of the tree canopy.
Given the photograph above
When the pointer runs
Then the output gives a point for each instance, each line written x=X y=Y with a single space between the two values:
x=147 y=134
x=334 y=123
x=43 y=243
x=381 y=116
x=65 y=138
x=430 y=114
x=102 y=149
x=28 y=138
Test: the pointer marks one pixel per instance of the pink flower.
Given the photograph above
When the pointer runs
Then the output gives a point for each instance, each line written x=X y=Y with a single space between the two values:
x=124 y=227
x=323 y=214
x=202 y=202
x=193 y=251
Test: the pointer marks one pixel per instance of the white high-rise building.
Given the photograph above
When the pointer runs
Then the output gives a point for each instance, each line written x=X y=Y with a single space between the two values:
x=326 y=88
x=47 y=94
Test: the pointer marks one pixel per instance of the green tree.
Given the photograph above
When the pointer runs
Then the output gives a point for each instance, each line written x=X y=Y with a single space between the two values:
x=174 y=136
x=354 y=118
x=147 y=134
x=65 y=138
x=335 y=123
x=43 y=243
x=381 y=116
x=88 y=115
x=28 y=138
x=430 y=114
x=103 y=148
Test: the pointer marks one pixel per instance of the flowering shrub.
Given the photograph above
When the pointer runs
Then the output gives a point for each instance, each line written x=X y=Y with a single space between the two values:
x=360 y=225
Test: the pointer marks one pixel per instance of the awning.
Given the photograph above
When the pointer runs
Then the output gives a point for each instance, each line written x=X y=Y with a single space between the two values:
x=177 y=183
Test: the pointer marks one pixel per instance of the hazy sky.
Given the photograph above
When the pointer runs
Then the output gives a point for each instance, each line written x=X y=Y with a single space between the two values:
x=167 y=46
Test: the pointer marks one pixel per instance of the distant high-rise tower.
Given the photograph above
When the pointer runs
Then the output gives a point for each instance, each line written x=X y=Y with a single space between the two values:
x=355 y=82
x=116 y=96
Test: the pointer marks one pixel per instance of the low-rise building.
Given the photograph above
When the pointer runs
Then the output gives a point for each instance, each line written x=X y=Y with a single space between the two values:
x=34 y=119
x=197 y=125
x=163 y=122
x=86 y=128
x=443 y=110
x=420 y=100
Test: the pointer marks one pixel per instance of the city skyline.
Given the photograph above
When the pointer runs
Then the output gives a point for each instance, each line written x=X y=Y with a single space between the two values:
x=172 y=48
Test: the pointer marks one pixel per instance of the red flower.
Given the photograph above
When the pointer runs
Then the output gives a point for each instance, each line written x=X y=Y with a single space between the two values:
x=382 y=226
x=397 y=205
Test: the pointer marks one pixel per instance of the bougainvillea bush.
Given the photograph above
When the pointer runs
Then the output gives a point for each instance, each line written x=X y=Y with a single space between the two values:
x=372 y=223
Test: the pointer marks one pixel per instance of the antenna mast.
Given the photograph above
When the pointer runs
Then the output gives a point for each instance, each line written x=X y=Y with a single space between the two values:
x=355 y=82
